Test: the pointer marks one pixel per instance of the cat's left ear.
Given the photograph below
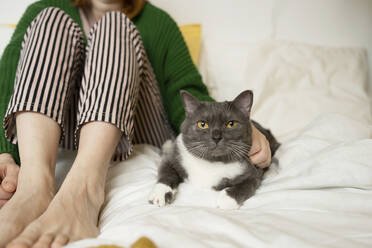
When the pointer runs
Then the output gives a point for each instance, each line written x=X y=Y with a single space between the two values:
x=190 y=102
x=244 y=102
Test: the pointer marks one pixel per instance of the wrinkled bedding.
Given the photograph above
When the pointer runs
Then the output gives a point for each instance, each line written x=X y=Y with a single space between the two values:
x=318 y=196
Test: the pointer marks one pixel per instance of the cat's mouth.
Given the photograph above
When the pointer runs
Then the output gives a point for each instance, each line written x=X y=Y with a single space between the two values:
x=218 y=151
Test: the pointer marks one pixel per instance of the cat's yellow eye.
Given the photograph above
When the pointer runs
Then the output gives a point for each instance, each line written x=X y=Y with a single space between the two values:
x=202 y=124
x=231 y=124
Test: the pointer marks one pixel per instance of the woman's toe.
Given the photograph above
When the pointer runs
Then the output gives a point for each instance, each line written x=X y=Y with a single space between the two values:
x=44 y=241
x=26 y=239
x=60 y=241
x=17 y=245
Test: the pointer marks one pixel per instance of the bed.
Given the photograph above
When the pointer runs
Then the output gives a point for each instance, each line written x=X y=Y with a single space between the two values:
x=308 y=64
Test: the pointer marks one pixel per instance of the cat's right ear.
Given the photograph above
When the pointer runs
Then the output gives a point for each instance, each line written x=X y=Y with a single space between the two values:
x=190 y=102
x=244 y=102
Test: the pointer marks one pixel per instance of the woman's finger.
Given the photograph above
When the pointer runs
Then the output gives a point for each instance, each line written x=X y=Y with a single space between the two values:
x=262 y=158
x=258 y=158
x=254 y=149
x=265 y=164
x=4 y=195
x=10 y=180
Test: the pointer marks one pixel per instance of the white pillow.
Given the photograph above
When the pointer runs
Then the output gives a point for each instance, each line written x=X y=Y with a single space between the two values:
x=331 y=22
x=292 y=82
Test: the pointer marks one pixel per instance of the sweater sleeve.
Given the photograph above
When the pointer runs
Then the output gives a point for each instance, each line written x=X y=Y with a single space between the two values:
x=180 y=74
x=8 y=67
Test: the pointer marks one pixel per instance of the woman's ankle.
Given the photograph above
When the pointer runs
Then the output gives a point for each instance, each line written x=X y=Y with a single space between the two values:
x=85 y=183
x=36 y=181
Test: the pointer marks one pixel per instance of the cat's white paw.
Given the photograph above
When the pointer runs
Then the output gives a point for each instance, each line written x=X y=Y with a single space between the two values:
x=161 y=195
x=225 y=201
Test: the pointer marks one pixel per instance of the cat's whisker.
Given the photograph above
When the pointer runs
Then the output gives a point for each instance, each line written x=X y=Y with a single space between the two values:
x=240 y=145
x=235 y=155
x=198 y=149
x=243 y=148
x=239 y=153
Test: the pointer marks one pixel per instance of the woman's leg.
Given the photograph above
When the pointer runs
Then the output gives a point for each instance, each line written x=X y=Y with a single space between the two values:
x=73 y=212
x=107 y=102
x=35 y=114
x=36 y=177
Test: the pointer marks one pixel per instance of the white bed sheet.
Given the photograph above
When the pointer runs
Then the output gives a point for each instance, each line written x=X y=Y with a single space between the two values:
x=318 y=196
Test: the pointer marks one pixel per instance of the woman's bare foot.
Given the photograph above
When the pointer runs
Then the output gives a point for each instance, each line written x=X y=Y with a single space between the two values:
x=72 y=214
x=29 y=202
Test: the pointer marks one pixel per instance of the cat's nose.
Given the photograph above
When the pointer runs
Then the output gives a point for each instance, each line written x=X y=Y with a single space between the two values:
x=216 y=135
x=217 y=139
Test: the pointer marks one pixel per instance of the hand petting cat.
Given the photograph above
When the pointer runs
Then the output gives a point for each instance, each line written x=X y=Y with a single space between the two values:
x=260 y=153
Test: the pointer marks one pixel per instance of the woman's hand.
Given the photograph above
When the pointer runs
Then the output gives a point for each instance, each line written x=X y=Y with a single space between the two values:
x=8 y=177
x=260 y=153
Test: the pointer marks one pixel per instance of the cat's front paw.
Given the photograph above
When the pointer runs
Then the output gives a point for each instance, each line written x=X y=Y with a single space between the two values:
x=162 y=194
x=224 y=201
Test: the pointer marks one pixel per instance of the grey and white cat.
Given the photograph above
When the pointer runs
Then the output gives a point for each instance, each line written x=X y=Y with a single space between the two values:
x=212 y=151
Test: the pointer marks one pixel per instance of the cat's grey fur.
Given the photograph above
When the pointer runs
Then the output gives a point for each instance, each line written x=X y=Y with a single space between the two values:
x=216 y=145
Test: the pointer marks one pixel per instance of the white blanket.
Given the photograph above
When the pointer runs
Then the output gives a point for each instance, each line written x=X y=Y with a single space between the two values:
x=318 y=196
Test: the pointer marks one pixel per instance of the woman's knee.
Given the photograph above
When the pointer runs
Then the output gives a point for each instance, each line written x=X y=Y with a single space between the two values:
x=115 y=20
x=117 y=16
x=55 y=20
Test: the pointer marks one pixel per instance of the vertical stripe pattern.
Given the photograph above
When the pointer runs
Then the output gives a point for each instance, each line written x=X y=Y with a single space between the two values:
x=111 y=81
x=51 y=55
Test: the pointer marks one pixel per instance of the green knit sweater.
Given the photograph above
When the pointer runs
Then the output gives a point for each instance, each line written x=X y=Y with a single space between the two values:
x=164 y=45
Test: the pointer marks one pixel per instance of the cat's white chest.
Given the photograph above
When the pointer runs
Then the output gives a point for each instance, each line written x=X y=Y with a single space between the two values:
x=204 y=173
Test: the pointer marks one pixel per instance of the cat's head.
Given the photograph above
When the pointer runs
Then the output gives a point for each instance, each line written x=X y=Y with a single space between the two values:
x=218 y=131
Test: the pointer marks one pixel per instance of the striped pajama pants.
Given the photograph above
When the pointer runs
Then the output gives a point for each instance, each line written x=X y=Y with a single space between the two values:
x=109 y=80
